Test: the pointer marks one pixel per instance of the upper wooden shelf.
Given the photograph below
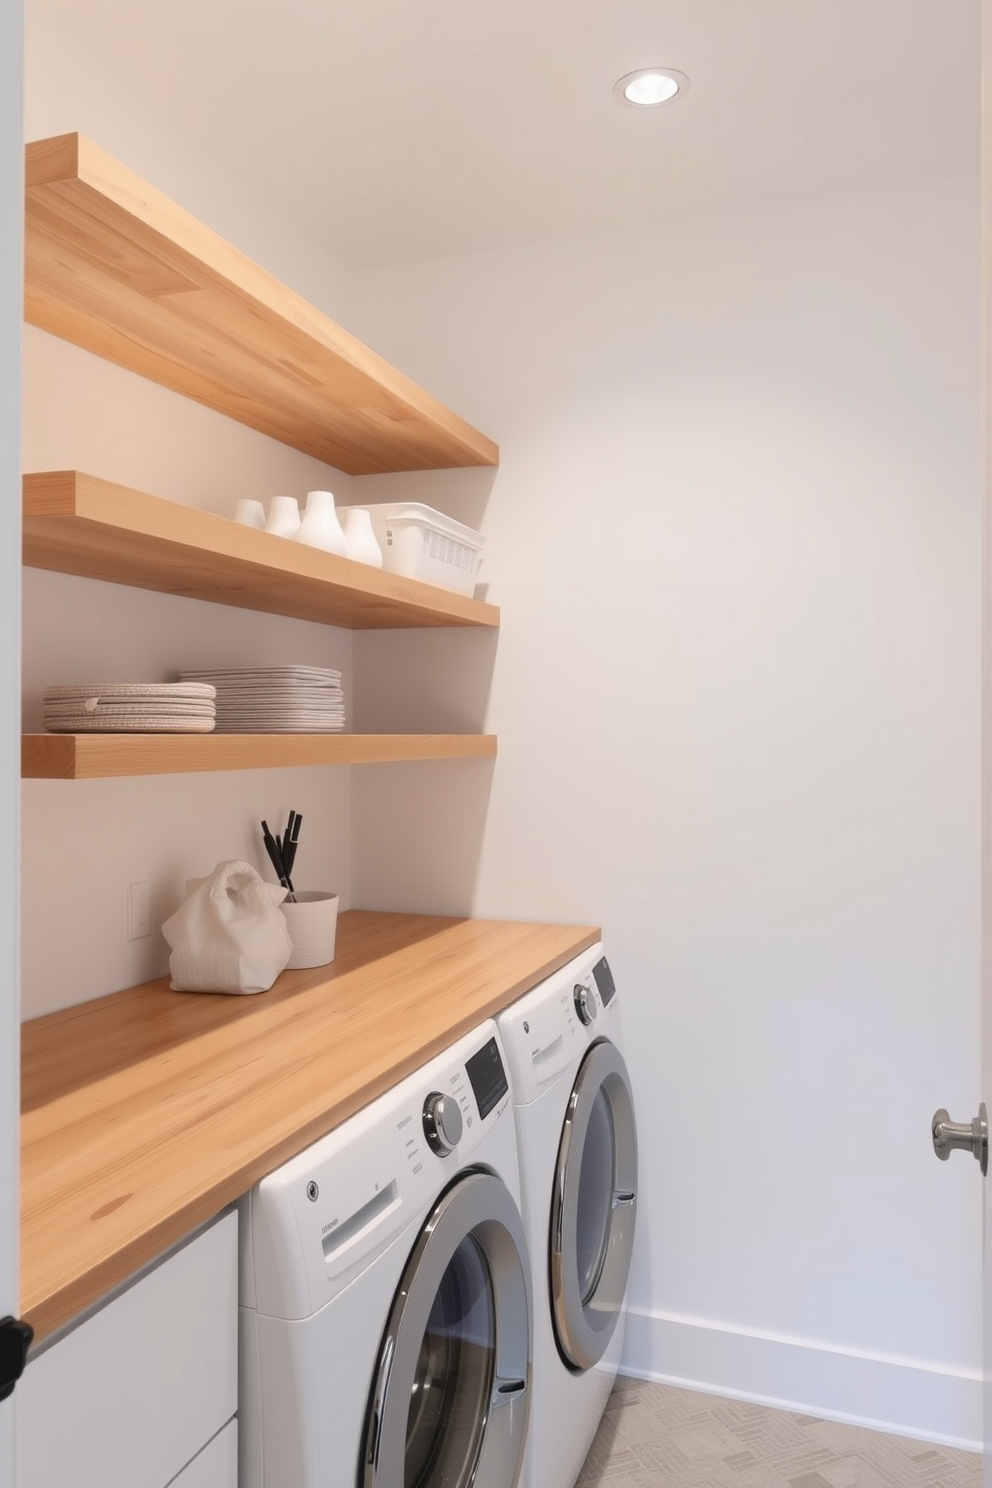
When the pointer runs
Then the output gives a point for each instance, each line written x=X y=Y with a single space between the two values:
x=116 y=267
x=78 y=524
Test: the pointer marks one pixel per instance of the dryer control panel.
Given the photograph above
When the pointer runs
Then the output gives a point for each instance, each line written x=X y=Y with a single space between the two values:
x=547 y=1031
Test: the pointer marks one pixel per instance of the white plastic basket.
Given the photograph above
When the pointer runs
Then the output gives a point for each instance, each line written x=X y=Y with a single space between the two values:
x=421 y=543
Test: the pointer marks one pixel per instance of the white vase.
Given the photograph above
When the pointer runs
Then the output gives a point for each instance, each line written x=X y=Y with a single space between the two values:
x=284 y=516
x=320 y=527
x=361 y=540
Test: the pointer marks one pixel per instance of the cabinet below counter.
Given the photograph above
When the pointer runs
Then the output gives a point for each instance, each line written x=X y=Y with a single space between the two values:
x=145 y=1112
x=143 y=1393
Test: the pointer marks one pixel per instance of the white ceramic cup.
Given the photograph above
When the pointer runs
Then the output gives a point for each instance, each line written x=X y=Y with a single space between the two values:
x=284 y=516
x=250 y=513
x=312 y=923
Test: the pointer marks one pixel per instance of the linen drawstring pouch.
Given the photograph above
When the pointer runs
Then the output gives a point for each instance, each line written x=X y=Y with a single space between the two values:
x=229 y=934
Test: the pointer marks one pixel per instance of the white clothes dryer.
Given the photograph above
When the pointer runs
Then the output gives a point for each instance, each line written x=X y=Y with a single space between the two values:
x=577 y=1140
x=385 y=1320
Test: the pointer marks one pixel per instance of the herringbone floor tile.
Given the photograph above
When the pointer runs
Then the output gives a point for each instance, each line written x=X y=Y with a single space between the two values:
x=653 y=1436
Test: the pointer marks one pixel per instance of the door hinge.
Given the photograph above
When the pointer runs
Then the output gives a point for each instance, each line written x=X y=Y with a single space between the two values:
x=15 y=1340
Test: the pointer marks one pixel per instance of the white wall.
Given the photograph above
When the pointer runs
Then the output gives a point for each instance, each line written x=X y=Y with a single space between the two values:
x=736 y=535
x=85 y=841
x=11 y=280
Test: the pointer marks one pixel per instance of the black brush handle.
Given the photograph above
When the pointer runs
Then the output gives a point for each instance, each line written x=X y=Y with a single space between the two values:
x=275 y=858
x=292 y=841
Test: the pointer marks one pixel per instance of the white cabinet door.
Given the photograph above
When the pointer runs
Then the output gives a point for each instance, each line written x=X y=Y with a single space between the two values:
x=131 y=1395
x=11 y=291
x=217 y=1464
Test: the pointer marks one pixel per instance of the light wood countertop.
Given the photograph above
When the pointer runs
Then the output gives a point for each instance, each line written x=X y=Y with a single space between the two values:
x=145 y=1112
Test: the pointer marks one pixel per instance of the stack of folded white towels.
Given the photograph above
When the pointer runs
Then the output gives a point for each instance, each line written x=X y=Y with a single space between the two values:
x=275 y=699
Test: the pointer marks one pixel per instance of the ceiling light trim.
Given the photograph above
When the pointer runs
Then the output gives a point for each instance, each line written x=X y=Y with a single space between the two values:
x=621 y=86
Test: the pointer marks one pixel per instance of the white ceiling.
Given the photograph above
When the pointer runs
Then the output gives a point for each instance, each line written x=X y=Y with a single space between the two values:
x=406 y=129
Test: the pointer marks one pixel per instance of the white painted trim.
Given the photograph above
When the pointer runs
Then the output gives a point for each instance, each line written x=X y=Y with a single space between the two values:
x=11 y=303
x=906 y=1397
x=986 y=874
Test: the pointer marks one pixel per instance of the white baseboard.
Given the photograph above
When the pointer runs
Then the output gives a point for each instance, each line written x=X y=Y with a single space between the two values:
x=896 y=1395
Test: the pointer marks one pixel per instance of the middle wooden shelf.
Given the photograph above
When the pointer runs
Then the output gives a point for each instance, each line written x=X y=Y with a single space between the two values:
x=79 y=524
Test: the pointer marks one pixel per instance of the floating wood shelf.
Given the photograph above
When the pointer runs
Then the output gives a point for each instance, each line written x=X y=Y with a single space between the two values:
x=100 y=756
x=117 y=268
x=78 y=524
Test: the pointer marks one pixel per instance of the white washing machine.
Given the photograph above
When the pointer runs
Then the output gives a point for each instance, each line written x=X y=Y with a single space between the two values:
x=385 y=1321
x=577 y=1139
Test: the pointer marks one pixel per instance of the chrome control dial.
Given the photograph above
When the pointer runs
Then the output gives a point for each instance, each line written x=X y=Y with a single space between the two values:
x=442 y=1123
x=585 y=1003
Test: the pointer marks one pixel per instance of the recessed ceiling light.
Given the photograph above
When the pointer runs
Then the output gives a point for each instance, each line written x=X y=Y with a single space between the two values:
x=651 y=86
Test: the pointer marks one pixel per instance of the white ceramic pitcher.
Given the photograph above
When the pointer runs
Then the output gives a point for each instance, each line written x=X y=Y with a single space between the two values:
x=320 y=527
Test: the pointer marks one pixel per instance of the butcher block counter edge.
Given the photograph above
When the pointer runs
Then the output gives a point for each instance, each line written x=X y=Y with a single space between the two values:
x=144 y=1113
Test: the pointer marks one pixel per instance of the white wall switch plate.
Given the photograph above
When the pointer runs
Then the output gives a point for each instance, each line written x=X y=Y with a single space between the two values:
x=139 y=909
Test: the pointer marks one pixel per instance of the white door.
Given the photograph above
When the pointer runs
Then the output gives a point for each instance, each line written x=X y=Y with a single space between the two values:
x=11 y=236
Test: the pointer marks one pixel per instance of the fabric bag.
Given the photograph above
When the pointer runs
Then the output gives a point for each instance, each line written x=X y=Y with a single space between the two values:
x=229 y=934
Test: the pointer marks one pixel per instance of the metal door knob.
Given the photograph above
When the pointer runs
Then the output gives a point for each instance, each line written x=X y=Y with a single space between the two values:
x=966 y=1136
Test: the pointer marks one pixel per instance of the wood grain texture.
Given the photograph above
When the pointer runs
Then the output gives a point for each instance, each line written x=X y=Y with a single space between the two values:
x=102 y=756
x=79 y=524
x=145 y=1112
x=117 y=268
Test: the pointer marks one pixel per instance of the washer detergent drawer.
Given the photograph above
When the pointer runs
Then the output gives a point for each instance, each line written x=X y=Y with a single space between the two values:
x=129 y=1397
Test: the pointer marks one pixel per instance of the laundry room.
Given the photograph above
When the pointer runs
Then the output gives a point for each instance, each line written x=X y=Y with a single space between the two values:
x=701 y=749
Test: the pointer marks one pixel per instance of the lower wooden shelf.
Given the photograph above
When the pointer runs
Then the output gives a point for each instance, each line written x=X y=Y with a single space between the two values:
x=100 y=756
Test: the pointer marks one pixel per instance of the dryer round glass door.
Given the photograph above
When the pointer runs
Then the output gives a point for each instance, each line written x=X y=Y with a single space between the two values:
x=593 y=1208
x=450 y=1399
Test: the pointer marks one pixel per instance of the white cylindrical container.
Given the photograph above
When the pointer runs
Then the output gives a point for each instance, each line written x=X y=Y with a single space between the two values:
x=320 y=527
x=284 y=516
x=312 y=923
x=362 y=546
x=250 y=513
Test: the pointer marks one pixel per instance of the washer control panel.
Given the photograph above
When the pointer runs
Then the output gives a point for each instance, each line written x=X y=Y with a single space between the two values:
x=604 y=981
x=487 y=1077
x=467 y=1096
x=333 y=1208
x=585 y=1002
x=443 y=1123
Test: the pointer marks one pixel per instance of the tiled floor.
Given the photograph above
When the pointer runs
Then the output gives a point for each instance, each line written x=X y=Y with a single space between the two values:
x=653 y=1436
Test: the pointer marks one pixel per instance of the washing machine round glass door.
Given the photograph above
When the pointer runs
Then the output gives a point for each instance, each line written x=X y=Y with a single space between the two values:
x=593 y=1208
x=450 y=1398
